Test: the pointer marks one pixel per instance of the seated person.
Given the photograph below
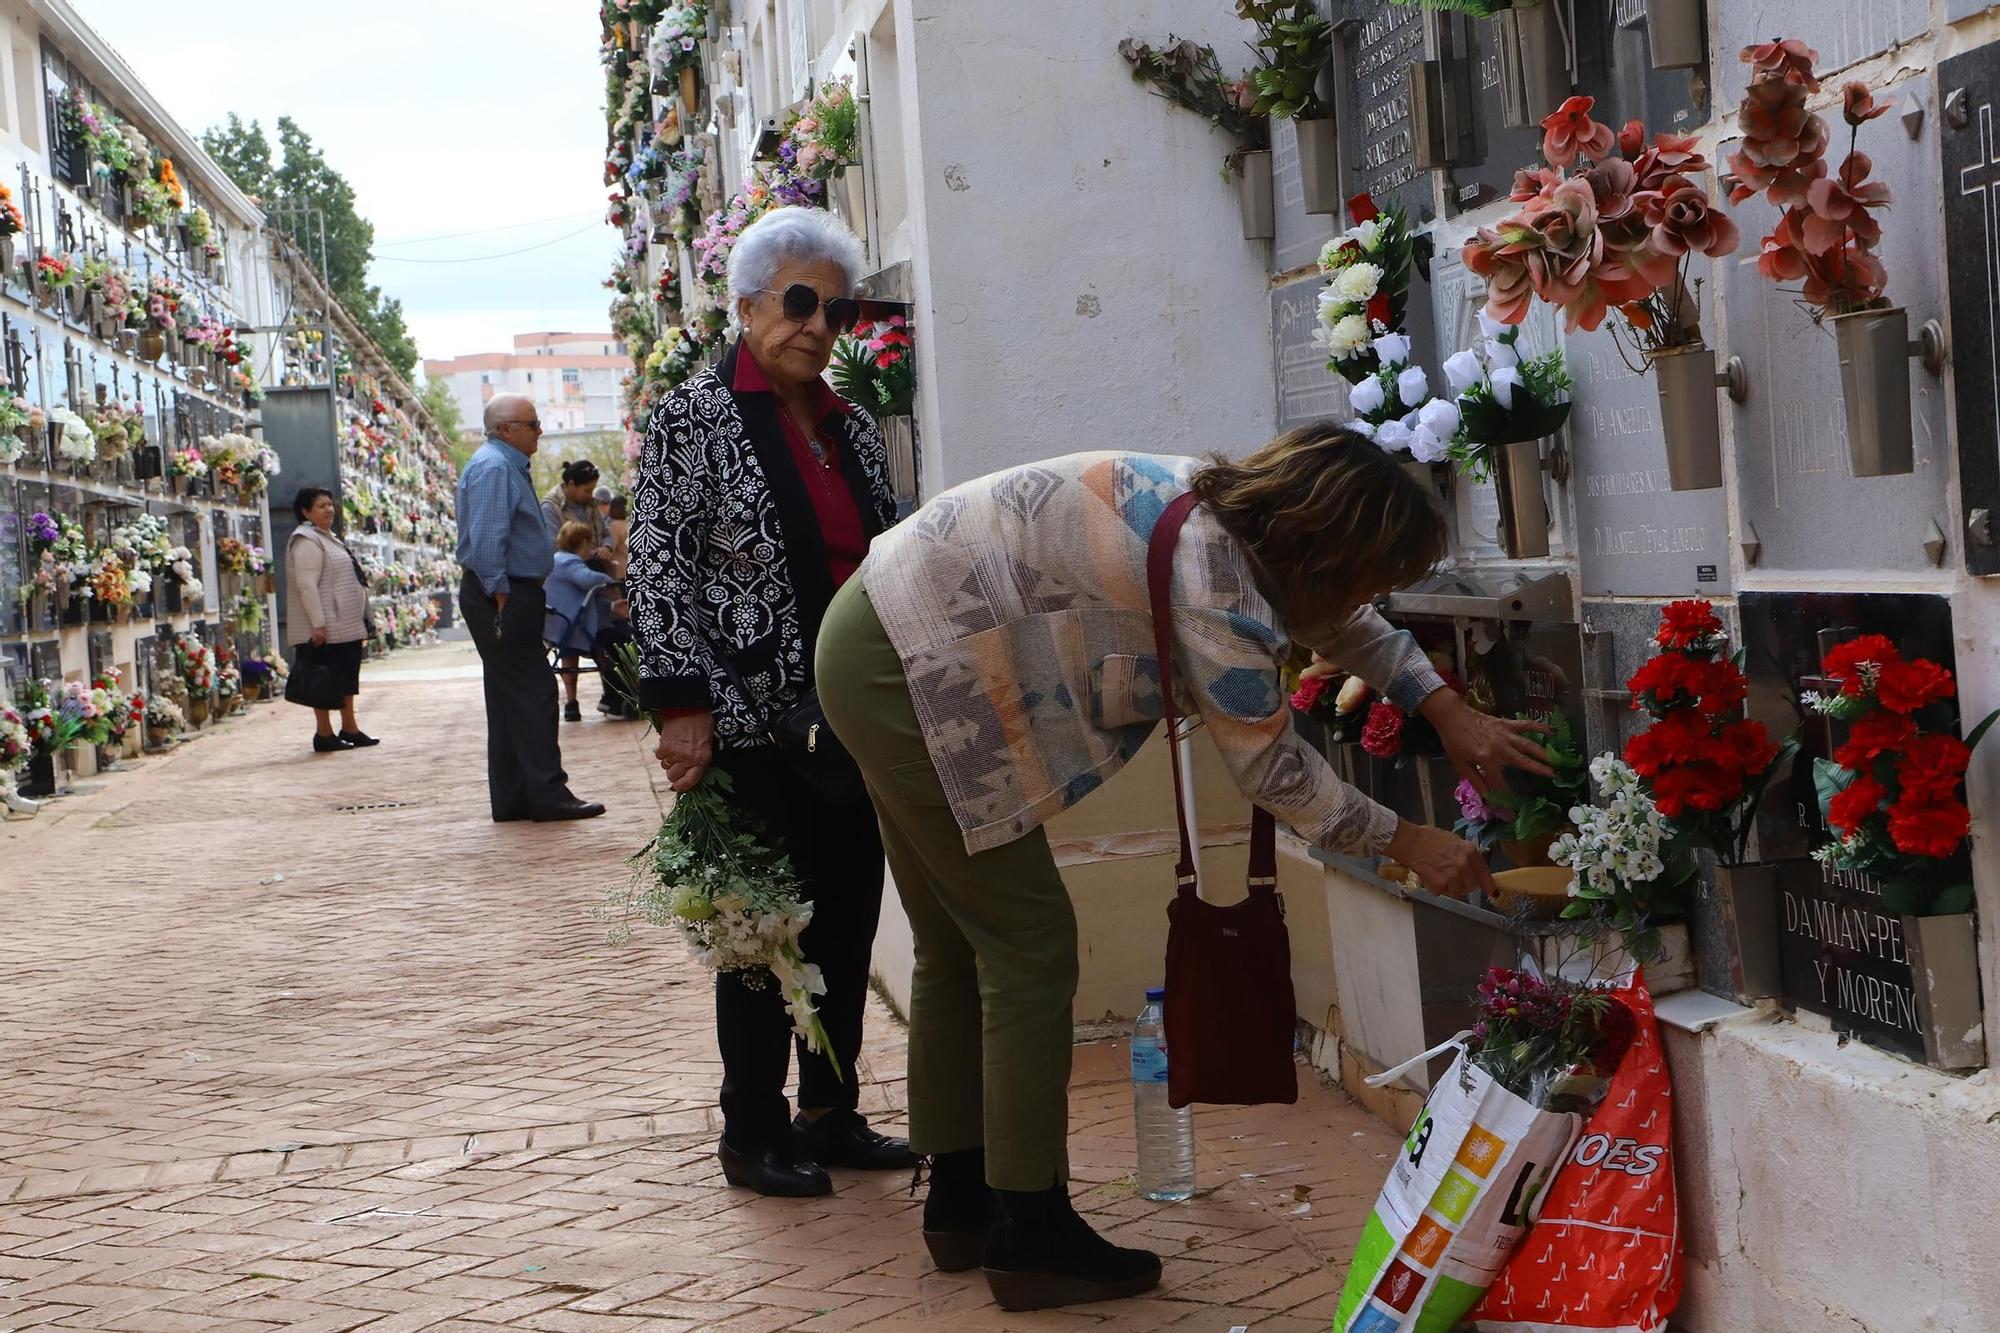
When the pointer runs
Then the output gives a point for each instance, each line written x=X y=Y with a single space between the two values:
x=583 y=620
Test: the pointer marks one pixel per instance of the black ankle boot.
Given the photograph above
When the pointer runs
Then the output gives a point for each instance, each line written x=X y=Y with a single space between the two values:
x=958 y=1210
x=1041 y=1254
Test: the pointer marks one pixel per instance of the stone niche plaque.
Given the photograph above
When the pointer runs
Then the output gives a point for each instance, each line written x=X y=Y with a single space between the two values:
x=1841 y=951
x=1456 y=296
x=1971 y=158
x=1613 y=65
x=1796 y=488
x=1636 y=535
x=1377 y=43
x=1299 y=235
x=1842 y=31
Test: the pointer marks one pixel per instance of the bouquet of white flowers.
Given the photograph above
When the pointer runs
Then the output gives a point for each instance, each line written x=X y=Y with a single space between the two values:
x=77 y=443
x=1628 y=860
x=1393 y=405
x=1367 y=286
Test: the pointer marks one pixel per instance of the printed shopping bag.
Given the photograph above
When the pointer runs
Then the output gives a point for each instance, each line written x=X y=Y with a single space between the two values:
x=1605 y=1254
x=1462 y=1192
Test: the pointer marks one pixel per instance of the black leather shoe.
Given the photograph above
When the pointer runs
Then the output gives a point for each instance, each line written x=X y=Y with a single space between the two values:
x=774 y=1172
x=570 y=809
x=329 y=744
x=513 y=817
x=358 y=739
x=571 y=713
x=1040 y=1254
x=842 y=1138
x=958 y=1211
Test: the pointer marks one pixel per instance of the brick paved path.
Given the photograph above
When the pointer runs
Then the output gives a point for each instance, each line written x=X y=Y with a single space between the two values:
x=268 y=1059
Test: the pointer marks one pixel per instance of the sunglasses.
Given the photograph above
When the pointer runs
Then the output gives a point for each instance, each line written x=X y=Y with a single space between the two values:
x=842 y=312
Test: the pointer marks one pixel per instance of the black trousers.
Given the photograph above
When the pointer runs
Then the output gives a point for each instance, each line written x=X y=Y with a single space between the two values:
x=838 y=855
x=523 y=762
x=604 y=653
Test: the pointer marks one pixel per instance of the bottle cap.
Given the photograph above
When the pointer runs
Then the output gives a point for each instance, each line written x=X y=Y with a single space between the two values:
x=1155 y=994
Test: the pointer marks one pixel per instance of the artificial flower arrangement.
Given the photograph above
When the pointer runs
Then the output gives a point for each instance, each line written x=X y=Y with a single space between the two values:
x=1501 y=398
x=246 y=612
x=15 y=746
x=232 y=556
x=1294 y=46
x=1628 y=865
x=716 y=875
x=116 y=428
x=681 y=188
x=75 y=443
x=54 y=271
x=1352 y=713
x=196 y=661
x=11 y=221
x=1892 y=792
x=89 y=708
x=1533 y=810
x=1611 y=223
x=1367 y=289
x=826 y=135
x=677 y=38
x=109 y=580
x=164 y=715
x=16 y=413
x=163 y=300
x=873 y=366
x=1827 y=232
x=51 y=729
x=1393 y=405
x=187 y=463
x=1706 y=765
x=200 y=226
x=121 y=710
x=225 y=463
x=1189 y=75
x=57 y=544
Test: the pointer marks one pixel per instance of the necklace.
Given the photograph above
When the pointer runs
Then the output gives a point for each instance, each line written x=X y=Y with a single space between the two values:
x=817 y=449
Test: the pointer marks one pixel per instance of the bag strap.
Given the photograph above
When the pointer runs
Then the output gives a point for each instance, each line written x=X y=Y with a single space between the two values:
x=1159 y=584
x=1456 y=1043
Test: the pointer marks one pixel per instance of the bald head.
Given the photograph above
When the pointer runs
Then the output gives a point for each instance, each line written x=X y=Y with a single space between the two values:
x=512 y=419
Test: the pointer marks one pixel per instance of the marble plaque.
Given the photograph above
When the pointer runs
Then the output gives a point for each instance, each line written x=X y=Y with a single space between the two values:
x=1307 y=390
x=1954 y=10
x=1842 y=31
x=1795 y=485
x=1300 y=235
x=1636 y=535
x=1377 y=43
x=13 y=555
x=1971 y=157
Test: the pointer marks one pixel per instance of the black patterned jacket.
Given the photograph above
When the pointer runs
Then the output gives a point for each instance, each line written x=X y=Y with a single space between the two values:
x=726 y=552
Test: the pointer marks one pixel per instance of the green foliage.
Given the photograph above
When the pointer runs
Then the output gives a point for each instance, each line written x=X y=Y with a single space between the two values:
x=1294 y=46
x=1544 y=804
x=307 y=199
x=1476 y=8
x=1188 y=74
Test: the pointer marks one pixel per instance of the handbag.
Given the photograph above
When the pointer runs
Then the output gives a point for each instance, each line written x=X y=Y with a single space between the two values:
x=1231 y=1018
x=312 y=683
x=802 y=736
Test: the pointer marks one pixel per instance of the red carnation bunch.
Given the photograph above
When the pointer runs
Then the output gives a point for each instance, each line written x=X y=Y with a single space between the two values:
x=1383 y=734
x=1705 y=764
x=1891 y=791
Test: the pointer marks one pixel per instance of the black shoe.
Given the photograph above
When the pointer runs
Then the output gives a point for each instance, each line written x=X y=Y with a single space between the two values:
x=842 y=1138
x=570 y=809
x=510 y=818
x=358 y=739
x=329 y=744
x=1041 y=1254
x=958 y=1210
x=571 y=713
x=774 y=1172
x=605 y=705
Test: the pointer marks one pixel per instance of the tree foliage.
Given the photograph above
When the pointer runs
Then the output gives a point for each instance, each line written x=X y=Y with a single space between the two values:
x=307 y=199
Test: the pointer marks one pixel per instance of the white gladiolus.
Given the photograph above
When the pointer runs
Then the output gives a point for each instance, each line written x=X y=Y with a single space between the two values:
x=1505 y=379
x=1393 y=348
x=1357 y=282
x=1462 y=370
x=1413 y=386
x=1368 y=396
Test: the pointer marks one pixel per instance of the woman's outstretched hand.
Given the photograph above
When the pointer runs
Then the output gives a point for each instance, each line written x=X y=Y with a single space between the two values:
x=1482 y=746
x=1443 y=862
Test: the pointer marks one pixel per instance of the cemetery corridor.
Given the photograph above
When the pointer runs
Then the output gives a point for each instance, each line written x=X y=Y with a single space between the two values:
x=307 y=1042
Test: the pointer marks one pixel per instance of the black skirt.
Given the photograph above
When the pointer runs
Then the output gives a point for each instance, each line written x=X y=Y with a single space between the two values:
x=345 y=659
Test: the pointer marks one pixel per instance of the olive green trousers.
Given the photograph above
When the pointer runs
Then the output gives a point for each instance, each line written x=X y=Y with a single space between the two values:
x=996 y=949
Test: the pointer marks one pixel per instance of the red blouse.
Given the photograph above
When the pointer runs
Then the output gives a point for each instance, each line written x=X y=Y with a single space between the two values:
x=833 y=503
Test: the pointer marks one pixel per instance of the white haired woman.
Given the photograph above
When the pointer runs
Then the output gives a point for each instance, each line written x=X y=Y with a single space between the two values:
x=758 y=492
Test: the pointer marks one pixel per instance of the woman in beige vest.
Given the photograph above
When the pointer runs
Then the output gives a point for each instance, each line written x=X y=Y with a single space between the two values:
x=327 y=608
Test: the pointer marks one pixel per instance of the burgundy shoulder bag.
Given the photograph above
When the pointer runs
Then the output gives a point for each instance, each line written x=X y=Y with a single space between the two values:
x=1230 y=1015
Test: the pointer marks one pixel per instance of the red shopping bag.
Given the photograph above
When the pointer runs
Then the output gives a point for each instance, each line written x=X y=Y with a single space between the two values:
x=1605 y=1255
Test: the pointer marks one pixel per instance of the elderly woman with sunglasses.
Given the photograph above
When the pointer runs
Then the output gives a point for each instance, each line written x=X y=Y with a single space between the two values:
x=758 y=492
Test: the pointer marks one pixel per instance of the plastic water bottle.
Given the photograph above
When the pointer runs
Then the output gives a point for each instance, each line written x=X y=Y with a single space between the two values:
x=1166 y=1136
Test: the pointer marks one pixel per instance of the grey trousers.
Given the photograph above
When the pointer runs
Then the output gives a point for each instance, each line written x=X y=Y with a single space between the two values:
x=523 y=761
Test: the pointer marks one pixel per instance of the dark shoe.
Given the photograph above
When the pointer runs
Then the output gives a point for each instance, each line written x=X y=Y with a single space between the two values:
x=510 y=818
x=358 y=739
x=773 y=1172
x=1041 y=1254
x=842 y=1138
x=329 y=744
x=571 y=713
x=606 y=705
x=958 y=1210
x=570 y=809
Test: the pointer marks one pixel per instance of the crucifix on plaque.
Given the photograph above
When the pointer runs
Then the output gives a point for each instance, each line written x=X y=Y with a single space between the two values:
x=1982 y=179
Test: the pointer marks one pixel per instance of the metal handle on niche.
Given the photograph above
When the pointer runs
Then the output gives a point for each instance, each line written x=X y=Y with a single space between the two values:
x=1928 y=347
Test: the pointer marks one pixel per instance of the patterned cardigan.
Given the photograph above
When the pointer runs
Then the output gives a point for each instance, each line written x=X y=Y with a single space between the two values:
x=1018 y=606
x=726 y=554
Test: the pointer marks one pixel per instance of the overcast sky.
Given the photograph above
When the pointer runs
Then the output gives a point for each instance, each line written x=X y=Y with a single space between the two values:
x=448 y=116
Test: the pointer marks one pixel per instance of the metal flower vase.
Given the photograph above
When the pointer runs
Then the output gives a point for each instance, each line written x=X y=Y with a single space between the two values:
x=690 y=91
x=1524 y=505
x=1875 y=389
x=1944 y=959
x=1688 y=415
x=1675 y=33
x=1319 y=163
x=1253 y=191
x=38 y=779
x=152 y=344
x=1534 y=64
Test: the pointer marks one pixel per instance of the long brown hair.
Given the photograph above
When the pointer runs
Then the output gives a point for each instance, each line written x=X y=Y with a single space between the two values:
x=1329 y=515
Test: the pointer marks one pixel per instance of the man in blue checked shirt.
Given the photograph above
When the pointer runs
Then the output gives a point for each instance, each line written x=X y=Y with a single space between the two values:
x=506 y=552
